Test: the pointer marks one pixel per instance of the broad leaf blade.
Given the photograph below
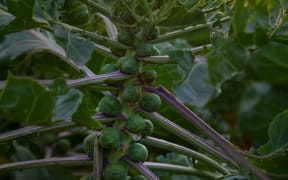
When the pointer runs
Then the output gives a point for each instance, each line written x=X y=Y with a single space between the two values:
x=21 y=9
x=269 y=63
x=24 y=100
x=196 y=89
x=26 y=41
x=278 y=136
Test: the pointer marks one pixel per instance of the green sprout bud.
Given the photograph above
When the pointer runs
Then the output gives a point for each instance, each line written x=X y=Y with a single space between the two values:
x=128 y=64
x=131 y=93
x=116 y=171
x=148 y=76
x=88 y=144
x=110 y=106
x=135 y=123
x=150 y=102
x=148 y=128
x=110 y=138
x=137 y=152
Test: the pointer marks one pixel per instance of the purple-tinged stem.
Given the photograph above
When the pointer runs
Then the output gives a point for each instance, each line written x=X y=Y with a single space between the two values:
x=178 y=169
x=141 y=168
x=205 y=129
x=80 y=160
x=187 y=136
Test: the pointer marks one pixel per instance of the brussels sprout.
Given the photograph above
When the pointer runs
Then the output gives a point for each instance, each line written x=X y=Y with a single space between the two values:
x=125 y=36
x=130 y=93
x=144 y=49
x=150 y=102
x=148 y=76
x=108 y=68
x=138 y=177
x=137 y=152
x=135 y=123
x=128 y=64
x=116 y=171
x=110 y=138
x=63 y=145
x=153 y=34
x=78 y=15
x=148 y=128
x=88 y=144
x=110 y=106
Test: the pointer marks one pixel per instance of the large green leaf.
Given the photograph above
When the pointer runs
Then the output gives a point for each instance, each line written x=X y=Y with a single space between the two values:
x=259 y=105
x=77 y=48
x=24 y=100
x=181 y=17
x=27 y=41
x=226 y=61
x=275 y=165
x=197 y=88
x=269 y=63
x=250 y=21
x=278 y=135
x=21 y=9
x=67 y=100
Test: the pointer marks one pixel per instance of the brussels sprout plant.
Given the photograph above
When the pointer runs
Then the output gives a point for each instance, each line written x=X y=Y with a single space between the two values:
x=150 y=89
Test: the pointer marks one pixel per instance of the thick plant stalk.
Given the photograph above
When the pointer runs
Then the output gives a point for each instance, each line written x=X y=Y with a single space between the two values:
x=179 y=33
x=80 y=160
x=141 y=168
x=160 y=143
x=10 y=135
x=181 y=170
x=97 y=159
x=206 y=129
x=187 y=136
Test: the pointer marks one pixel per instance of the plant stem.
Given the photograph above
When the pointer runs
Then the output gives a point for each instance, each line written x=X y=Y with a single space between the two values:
x=7 y=136
x=105 y=51
x=80 y=160
x=91 y=80
x=206 y=129
x=181 y=170
x=93 y=36
x=160 y=143
x=186 y=135
x=97 y=159
x=208 y=10
x=141 y=168
x=97 y=7
x=156 y=60
x=84 y=160
x=175 y=34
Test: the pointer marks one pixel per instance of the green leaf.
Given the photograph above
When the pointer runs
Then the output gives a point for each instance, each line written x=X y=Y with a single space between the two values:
x=77 y=48
x=5 y=18
x=275 y=164
x=226 y=61
x=67 y=101
x=269 y=63
x=184 y=59
x=278 y=136
x=27 y=41
x=181 y=17
x=260 y=103
x=251 y=21
x=24 y=100
x=196 y=89
x=83 y=117
x=18 y=24
x=21 y=9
